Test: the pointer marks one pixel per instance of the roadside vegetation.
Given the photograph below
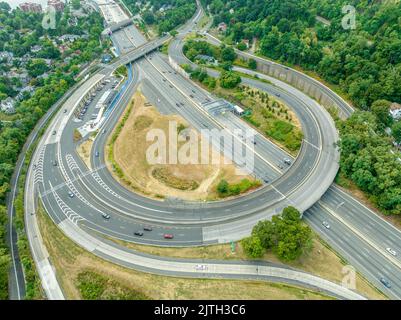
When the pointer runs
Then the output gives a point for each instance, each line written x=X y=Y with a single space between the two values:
x=368 y=158
x=226 y=189
x=82 y=275
x=285 y=235
x=94 y=286
x=320 y=260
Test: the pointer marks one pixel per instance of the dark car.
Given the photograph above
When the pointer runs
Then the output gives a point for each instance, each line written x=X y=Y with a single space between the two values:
x=54 y=132
x=138 y=233
x=147 y=228
x=105 y=216
x=168 y=236
x=385 y=282
x=55 y=163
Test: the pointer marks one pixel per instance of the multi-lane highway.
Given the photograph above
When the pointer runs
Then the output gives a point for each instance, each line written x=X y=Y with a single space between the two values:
x=360 y=235
x=76 y=196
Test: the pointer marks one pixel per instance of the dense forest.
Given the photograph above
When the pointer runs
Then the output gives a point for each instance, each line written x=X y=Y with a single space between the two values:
x=165 y=14
x=365 y=62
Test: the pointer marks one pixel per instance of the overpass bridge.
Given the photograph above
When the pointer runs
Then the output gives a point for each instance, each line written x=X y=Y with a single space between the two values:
x=138 y=52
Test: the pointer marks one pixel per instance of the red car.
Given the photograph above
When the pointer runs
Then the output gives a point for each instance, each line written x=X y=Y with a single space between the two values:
x=168 y=236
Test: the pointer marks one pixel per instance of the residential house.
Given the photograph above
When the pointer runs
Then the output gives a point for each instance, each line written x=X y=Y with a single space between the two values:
x=56 y=4
x=30 y=7
x=246 y=41
x=36 y=48
x=6 y=56
x=395 y=110
x=222 y=27
x=69 y=37
x=8 y=105
x=27 y=89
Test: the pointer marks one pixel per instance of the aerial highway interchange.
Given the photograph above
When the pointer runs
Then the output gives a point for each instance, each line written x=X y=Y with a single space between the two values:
x=75 y=196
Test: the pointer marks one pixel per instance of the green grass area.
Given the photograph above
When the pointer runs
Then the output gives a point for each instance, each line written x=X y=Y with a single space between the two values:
x=121 y=71
x=267 y=115
x=164 y=47
x=93 y=286
x=226 y=189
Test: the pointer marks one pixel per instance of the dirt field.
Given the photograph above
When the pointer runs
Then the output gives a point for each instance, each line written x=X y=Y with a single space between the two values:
x=185 y=181
x=71 y=261
x=84 y=151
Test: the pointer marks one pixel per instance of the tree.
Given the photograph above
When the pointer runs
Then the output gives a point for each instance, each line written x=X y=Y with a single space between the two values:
x=228 y=54
x=4 y=6
x=229 y=79
x=227 y=65
x=396 y=131
x=241 y=46
x=252 y=64
x=252 y=247
x=76 y=4
x=148 y=17
x=222 y=187
x=285 y=234
x=264 y=230
x=173 y=33
x=381 y=109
